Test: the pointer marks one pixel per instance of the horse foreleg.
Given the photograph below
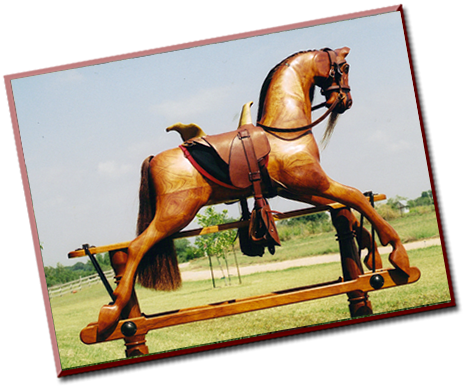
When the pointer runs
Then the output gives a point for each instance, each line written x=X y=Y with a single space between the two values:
x=355 y=199
x=364 y=240
x=174 y=212
x=363 y=236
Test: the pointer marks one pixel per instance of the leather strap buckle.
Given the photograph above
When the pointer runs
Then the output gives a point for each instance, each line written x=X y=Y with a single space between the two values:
x=255 y=176
x=243 y=134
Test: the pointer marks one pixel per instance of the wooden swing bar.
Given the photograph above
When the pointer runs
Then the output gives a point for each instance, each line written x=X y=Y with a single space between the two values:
x=145 y=323
x=218 y=228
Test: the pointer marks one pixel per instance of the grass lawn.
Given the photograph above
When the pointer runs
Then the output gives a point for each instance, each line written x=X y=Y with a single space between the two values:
x=411 y=227
x=73 y=312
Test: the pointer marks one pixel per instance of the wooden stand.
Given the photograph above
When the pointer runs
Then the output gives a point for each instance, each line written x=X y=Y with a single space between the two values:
x=356 y=283
x=359 y=304
x=135 y=344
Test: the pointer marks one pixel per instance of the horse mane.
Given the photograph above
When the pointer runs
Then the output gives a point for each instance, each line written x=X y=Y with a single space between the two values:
x=268 y=79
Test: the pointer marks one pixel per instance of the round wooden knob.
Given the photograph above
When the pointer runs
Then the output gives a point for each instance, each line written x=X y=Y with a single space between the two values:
x=128 y=329
x=376 y=281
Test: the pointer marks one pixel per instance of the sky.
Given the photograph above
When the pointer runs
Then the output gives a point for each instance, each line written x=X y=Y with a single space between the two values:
x=85 y=131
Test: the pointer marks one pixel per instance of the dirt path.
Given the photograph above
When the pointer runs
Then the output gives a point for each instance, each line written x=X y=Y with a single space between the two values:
x=280 y=265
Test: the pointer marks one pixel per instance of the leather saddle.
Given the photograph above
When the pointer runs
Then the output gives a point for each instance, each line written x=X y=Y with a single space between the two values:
x=242 y=150
x=246 y=152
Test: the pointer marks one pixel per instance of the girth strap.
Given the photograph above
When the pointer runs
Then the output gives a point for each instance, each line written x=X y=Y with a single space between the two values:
x=262 y=230
x=253 y=166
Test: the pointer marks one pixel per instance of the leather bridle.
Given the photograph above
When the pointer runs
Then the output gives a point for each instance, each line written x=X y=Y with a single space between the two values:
x=335 y=76
x=336 y=73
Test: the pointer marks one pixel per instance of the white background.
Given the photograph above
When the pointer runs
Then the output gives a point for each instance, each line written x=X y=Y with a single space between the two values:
x=425 y=350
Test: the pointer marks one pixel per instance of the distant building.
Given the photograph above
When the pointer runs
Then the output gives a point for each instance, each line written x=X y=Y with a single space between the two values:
x=403 y=206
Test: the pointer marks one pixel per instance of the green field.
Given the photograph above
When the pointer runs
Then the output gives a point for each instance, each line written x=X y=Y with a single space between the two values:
x=417 y=225
x=73 y=312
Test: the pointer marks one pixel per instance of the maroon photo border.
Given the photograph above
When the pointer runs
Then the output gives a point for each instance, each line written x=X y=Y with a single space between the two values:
x=146 y=358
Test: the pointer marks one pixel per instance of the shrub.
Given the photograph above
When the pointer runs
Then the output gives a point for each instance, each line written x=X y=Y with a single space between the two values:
x=421 y=210
x=387 y=212
x=185 y=251
x=305 y=226
x=284 y=232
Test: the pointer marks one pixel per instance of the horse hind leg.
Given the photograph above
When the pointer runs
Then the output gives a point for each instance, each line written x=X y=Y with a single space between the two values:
x=173 y=213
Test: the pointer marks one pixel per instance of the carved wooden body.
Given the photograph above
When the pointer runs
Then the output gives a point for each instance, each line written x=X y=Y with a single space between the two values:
x=176 y=191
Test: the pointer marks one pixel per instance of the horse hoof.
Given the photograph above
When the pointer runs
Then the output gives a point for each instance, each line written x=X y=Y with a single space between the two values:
x=369 y=261
x=107 y=319
x=399 y=259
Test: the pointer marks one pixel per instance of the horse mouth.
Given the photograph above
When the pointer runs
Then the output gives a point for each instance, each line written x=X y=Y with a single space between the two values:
x=343 y=104
x=342 y=107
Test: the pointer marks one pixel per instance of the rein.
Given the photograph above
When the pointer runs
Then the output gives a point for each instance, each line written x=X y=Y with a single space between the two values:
x=306 y=127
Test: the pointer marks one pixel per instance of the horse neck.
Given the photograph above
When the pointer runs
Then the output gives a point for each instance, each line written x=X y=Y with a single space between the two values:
x=287 y=103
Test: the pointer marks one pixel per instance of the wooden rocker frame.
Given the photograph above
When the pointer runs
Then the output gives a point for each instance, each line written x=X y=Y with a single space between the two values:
x=134 y=325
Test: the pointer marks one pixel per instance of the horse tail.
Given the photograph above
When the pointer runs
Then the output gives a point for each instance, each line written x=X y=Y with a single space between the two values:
x=146 y=198
x=158 y=268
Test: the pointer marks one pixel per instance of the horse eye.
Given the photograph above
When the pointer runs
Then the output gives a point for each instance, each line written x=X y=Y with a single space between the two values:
x=346 y=69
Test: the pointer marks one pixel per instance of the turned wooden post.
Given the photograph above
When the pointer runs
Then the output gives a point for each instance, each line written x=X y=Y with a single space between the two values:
x=359 y=304
x=135 y=345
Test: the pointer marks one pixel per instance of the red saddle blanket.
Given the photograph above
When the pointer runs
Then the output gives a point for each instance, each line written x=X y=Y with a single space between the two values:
x=208 y=163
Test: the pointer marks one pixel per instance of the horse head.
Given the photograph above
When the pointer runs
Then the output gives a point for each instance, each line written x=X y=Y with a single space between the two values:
x=332 y=77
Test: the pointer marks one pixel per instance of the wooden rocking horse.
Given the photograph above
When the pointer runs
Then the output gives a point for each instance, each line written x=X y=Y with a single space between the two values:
x=277 y=157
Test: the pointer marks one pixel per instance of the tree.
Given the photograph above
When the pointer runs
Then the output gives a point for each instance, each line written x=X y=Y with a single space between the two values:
x=315 y=219
x=424 y=200
x=63 y=274
x=185 y=251
x=215 y=244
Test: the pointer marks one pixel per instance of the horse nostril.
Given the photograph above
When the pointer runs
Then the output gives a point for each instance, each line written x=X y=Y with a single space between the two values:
x=349 y=103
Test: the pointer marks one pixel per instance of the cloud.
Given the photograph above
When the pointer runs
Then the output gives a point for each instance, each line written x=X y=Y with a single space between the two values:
x=390 y=141
x=399 y=145
x=70 y=76
x=189 y=106
x=113 y=170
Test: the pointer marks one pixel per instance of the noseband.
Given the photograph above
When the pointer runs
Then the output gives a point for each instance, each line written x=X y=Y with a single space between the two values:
x=335 y=76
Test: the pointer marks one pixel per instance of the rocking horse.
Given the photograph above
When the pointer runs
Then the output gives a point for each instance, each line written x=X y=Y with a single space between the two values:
x=277 y=157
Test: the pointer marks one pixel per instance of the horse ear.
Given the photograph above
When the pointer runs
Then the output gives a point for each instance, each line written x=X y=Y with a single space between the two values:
x=343 y=52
